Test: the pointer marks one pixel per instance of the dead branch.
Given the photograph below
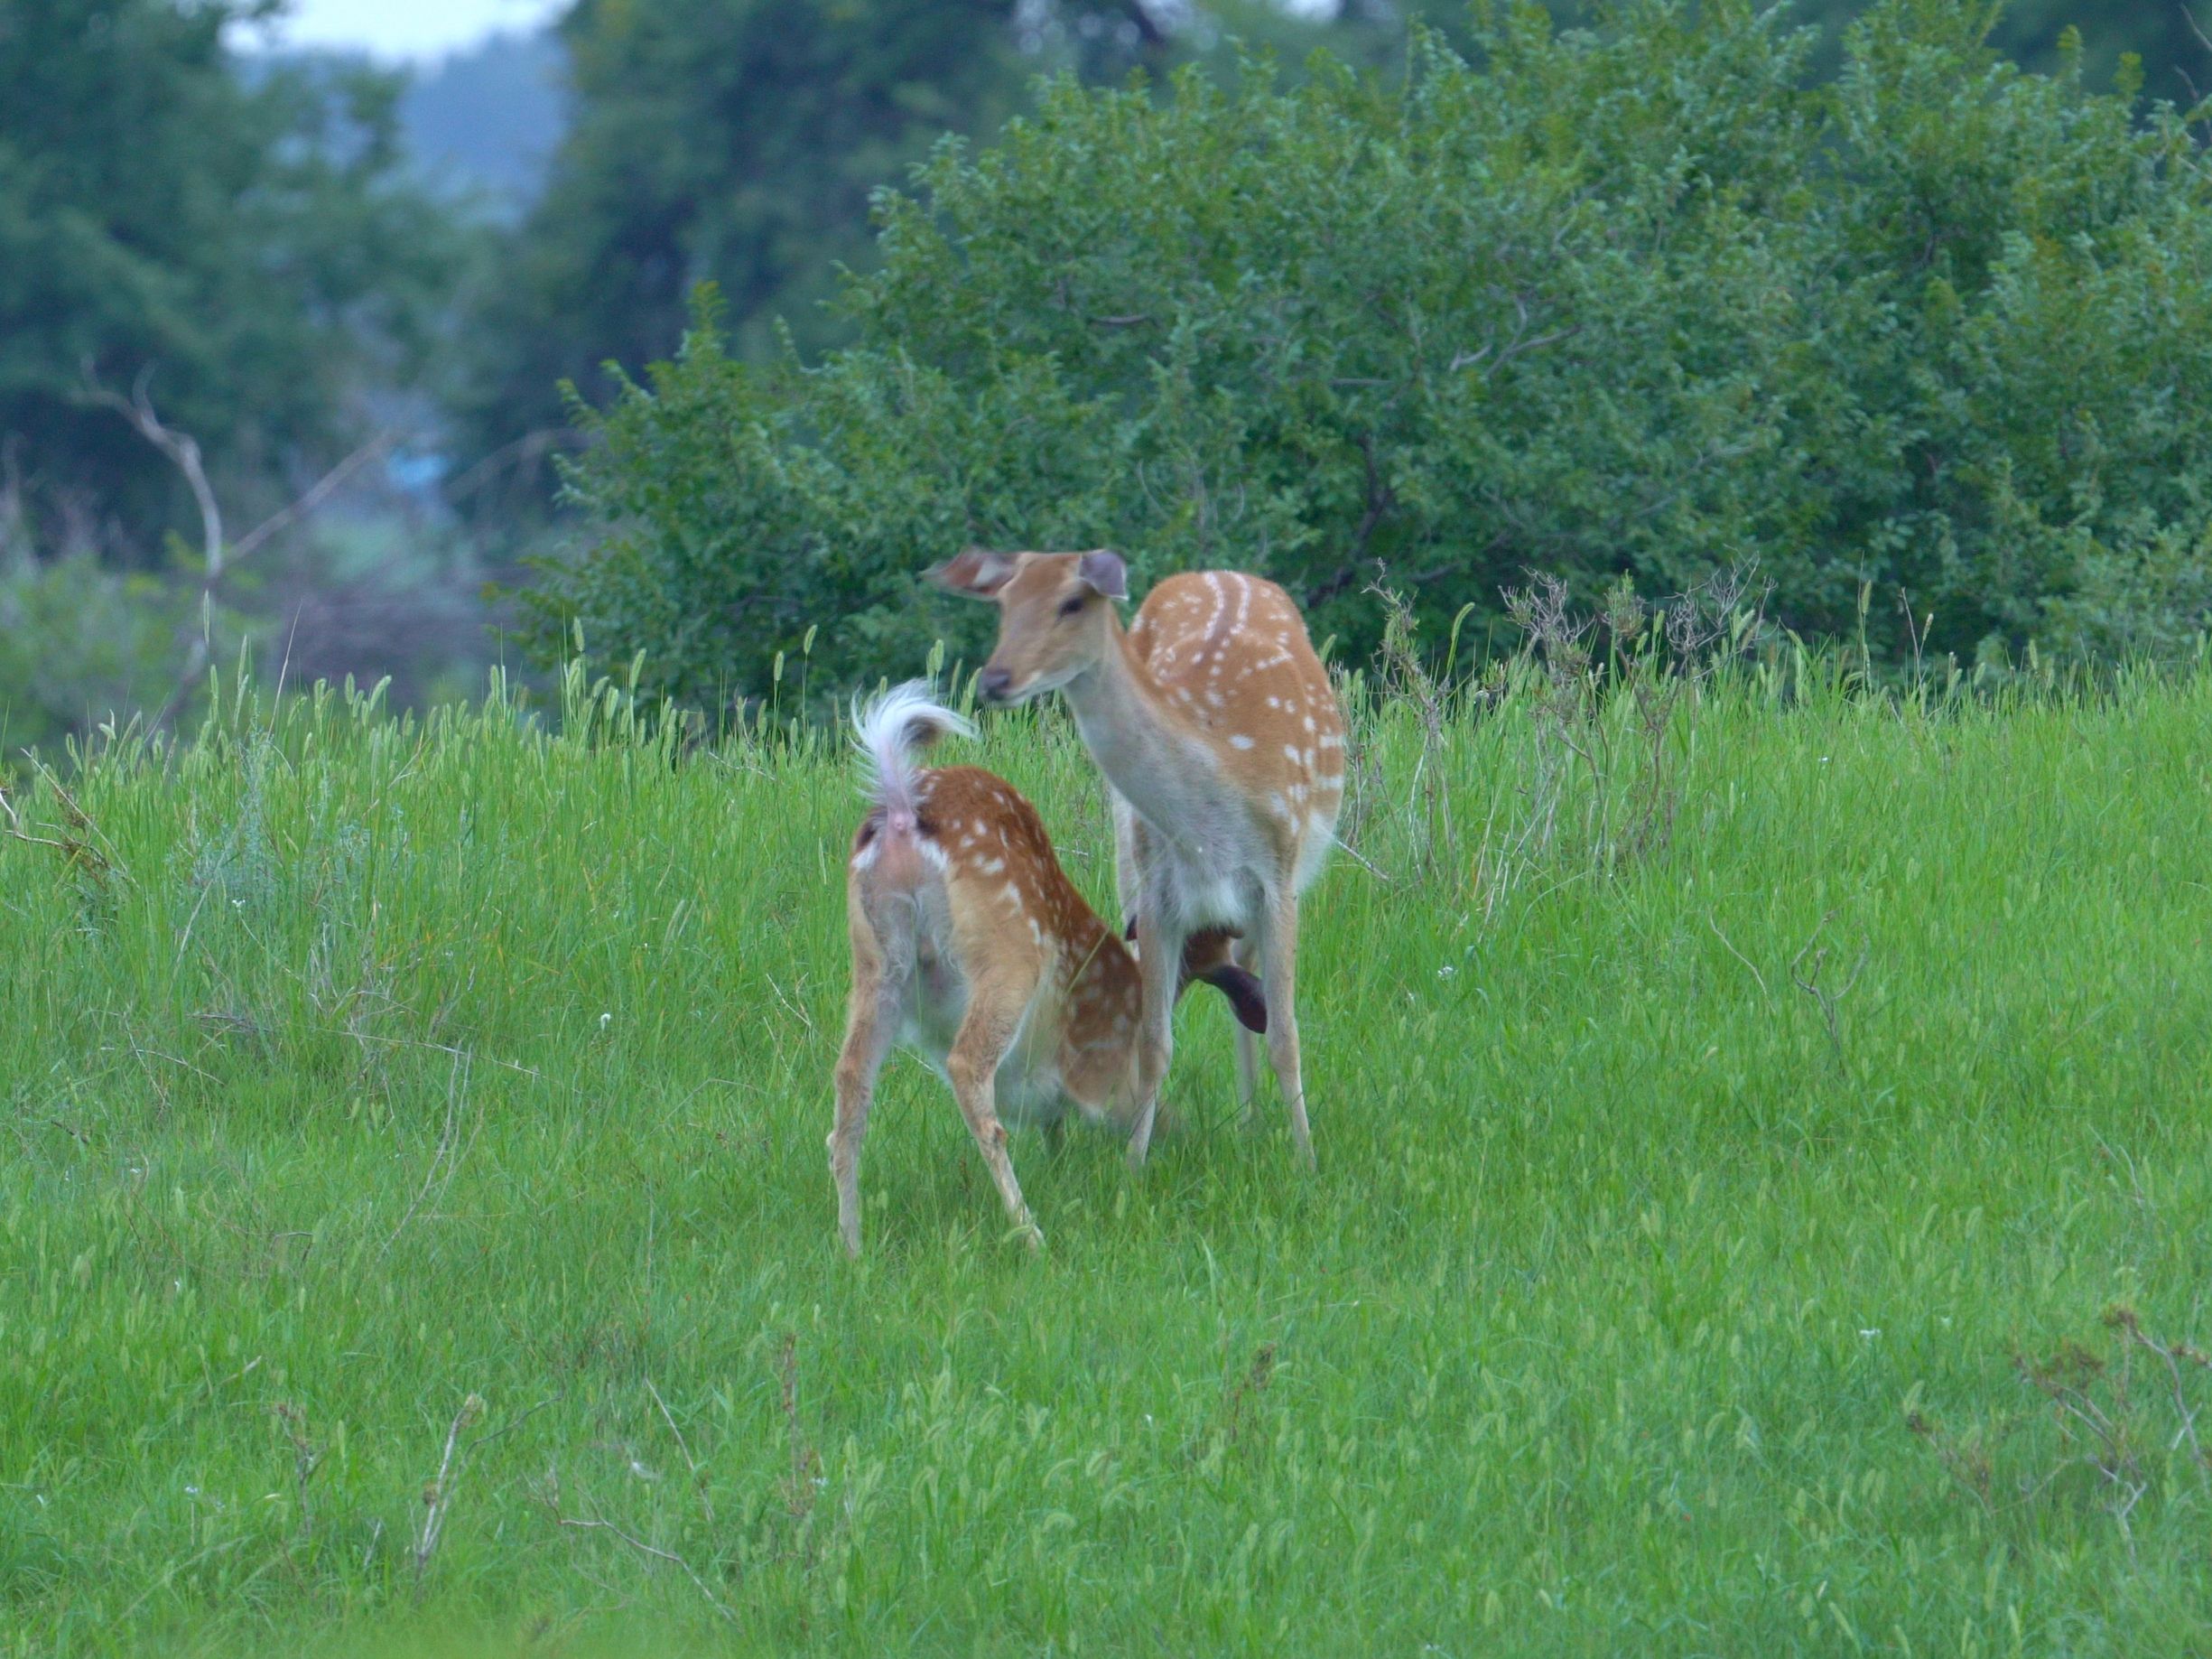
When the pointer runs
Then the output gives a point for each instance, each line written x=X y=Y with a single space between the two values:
x=77 y=849
x=683 y=1445
x=15 y=830
x=456 y=1091
x=320 y=491
x=437 y=1495
x=522 y=452
x=799 y=1485
x=1739 y=956
x=592 y=1524
x=1824 y=999
x=306 y=1459
x=180 y=447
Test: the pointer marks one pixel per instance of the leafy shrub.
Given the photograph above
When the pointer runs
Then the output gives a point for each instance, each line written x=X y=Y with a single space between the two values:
x=80 y=643
x=1630 y=300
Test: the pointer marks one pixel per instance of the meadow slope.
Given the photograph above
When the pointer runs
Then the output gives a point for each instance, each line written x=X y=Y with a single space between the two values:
x=1683 y=1276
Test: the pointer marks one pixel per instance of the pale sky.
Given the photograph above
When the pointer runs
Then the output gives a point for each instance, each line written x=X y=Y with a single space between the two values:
x=407 y=28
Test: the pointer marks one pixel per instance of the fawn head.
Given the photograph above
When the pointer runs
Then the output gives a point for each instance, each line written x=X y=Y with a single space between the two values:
x=1053 y=611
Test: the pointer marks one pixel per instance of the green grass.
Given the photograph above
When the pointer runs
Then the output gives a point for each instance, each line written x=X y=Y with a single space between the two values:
x=389 y=1066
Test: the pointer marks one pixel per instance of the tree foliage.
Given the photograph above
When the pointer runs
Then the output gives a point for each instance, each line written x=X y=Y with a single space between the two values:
x=740 y=142
x=1631 y=299
x=245 y=239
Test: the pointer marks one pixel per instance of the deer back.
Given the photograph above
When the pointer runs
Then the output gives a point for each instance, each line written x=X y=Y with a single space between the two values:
x=1229 y=653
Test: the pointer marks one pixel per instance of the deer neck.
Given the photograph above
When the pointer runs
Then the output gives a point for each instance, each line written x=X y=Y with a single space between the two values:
x=1150 y=753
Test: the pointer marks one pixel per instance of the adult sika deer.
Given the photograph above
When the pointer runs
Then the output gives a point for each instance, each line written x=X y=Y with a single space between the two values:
x=1218 y=730
x=970 y=945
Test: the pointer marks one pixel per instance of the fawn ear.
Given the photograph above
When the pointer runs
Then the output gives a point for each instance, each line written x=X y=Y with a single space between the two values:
x=977 y=573
x=1105 y=574
x=1243 y=992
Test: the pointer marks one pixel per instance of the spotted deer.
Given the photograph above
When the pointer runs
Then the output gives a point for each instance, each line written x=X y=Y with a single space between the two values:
x=970 y=946
x=1223 y=746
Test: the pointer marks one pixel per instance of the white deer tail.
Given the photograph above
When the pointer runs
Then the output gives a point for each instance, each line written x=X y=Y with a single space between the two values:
x=890 y=730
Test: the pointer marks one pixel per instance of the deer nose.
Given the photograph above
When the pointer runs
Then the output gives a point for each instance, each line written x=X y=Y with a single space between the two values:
x=996 y=683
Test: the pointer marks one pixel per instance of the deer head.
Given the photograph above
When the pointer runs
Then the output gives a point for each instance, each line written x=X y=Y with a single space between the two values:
x=1055 y=614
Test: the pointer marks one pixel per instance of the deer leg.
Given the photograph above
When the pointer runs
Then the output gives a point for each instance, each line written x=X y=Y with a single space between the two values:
x=871 y=1024
x=993 y=1019
x=1159 y=968
x=1128 y=871
x=1278 y=951
x=1244 y=955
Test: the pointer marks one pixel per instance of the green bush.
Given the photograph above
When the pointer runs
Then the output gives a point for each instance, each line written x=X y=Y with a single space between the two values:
x=82 y=644
x=1628 y=300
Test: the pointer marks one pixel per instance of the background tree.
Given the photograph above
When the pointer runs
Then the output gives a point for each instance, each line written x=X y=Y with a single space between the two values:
x=740 y=142
x=2166 y=37
x=247 y=240
x=1642 y=300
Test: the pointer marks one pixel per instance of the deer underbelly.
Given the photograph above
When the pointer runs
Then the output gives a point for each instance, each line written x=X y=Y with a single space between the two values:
x=1027 y=1095
x=1026 y=1090
x=1193 y=896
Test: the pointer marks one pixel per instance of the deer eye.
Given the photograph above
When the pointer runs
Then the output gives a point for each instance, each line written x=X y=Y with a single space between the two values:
x=1072 y=603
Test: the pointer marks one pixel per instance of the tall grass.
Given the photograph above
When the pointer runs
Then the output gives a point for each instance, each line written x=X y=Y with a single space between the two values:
x=415 y=1232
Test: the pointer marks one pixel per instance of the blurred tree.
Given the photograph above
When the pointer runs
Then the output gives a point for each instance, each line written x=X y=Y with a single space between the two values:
x=741 y=141
x=2177 y=64
x=243 y=239
x=1637 y=301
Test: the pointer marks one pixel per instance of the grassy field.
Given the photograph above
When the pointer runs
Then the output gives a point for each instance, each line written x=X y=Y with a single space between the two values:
x=1684 y=1274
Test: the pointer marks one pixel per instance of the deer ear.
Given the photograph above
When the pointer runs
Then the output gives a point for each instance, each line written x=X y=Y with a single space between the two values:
x=1244 y=995
x=1105 y=572
x=977 y=573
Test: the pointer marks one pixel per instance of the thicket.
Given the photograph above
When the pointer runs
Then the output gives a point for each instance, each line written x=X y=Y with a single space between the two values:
x=740 y=141
x=1929 y=341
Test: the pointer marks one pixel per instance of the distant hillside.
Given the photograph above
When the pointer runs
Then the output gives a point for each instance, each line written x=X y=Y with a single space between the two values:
x=486 y=120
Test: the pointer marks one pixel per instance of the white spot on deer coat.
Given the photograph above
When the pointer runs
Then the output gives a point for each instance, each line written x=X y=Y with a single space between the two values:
x=1237 y=740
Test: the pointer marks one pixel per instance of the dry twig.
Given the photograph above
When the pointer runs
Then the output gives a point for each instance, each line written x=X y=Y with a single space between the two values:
x=437 y=1495
x=592 y=1524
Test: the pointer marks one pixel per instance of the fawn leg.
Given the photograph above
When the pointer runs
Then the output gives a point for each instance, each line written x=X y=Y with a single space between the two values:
x=995 y=1010
x=871 y=1023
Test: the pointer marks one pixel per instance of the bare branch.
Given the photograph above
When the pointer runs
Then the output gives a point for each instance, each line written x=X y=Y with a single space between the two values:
x=320 y=492
x=438 y=1496
x=524 y=452
x=1469 y=359
x=683 y=1445
x=182 y=447
x=588 y=1523
x=2188 y=16
x=551 y=1497
x=456 y=1091
x=1739 y=956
